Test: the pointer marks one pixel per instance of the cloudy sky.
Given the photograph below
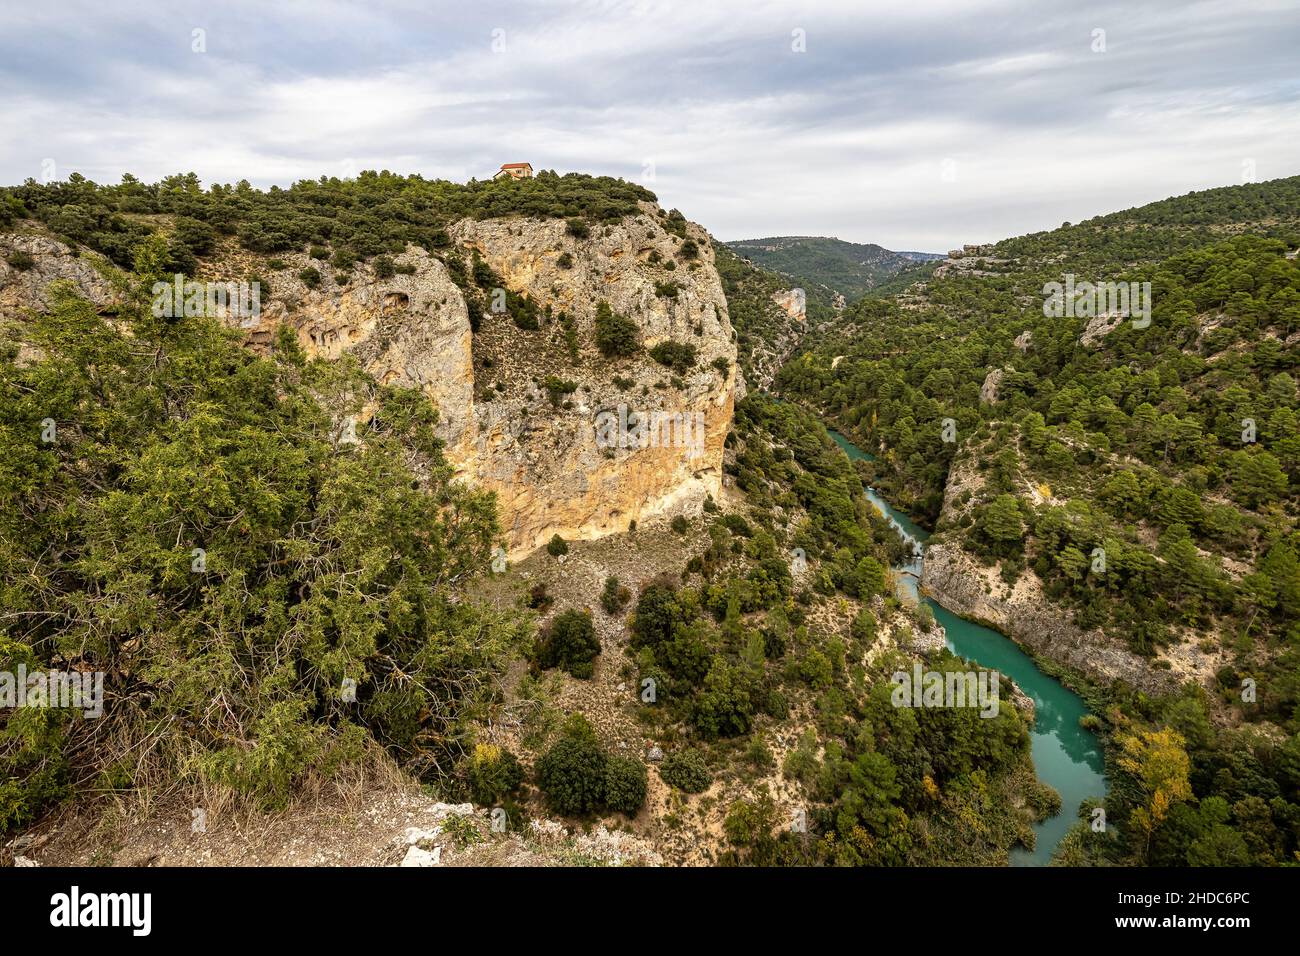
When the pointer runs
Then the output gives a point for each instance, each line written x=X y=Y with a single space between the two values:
x=917 y=125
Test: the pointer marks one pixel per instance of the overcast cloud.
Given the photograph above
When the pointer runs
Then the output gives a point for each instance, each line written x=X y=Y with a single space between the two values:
x=917 y=125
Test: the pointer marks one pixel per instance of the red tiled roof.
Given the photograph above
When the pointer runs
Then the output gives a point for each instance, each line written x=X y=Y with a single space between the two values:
x=516 y=165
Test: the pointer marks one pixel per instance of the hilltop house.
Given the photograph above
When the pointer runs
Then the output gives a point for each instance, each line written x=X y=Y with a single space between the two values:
x=517 y=170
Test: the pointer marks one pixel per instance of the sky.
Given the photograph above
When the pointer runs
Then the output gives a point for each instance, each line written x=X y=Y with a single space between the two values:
x=916 y=125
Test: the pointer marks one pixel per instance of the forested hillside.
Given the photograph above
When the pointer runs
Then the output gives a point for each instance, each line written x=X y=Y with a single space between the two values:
x=1147 y=474
x=274 y=600
x=264 y=553
x=197 y=529
x=832 y=266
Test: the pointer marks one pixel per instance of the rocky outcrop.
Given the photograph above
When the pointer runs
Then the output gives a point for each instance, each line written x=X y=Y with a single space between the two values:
x=29 y=289
x=1100 y=326
x=793 y=303
x=786 y=324
x=1023 y=702
x=955 y=580
x=989 y=390
x=409 y=329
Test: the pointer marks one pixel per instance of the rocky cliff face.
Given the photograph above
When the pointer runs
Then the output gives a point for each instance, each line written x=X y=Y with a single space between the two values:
x=23 y=289
x=538 y=416
x=408 y=329
x=543 y=458
x=792 y=302
x=957 y=582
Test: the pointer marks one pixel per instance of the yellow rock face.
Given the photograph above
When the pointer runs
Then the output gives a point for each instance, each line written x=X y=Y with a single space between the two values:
x=580 y=472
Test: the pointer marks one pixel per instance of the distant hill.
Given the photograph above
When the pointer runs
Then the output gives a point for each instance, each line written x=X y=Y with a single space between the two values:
x=849 y=268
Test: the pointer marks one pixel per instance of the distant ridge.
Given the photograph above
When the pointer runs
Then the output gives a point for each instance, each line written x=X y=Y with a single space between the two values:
x=850 y=269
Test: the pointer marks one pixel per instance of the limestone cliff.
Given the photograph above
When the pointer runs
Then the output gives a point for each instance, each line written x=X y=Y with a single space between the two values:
x=52 y=261
x=411 y=329
x=793 y=303
x=521 y=410
x=957 y=582
x=548 y=471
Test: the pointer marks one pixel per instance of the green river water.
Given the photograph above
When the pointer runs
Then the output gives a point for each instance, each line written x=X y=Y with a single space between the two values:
x=1066 y=757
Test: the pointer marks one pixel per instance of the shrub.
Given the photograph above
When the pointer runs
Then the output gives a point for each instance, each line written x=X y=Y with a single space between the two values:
x=749 y=823
x=737 y=525
x=20 y=260
x=657 y=615
x=571 y=775
x=196 y=236
x=686 y=770
x=690 y=250
x=565 y=261
x=538 y=599
x=557 y=546
x=556 y=388
x=724 y=707
x=625 y=784
x=310 y=277
x=569 y=642
x=617 y=336
x=680 y=524
x=262 y=286
x=615 y=597
x=678 y=356
x=318 y=252
x=577 y=228
x=759 y=755
x=484 y=276
x=491 y=772
x=863 y=628
x=776 y=706
x=384 y=268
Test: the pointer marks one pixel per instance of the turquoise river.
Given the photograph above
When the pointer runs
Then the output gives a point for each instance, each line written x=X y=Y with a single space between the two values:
x=1066 y=756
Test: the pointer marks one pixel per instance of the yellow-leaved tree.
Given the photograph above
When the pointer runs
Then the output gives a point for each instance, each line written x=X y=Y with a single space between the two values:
x=1158 y=760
